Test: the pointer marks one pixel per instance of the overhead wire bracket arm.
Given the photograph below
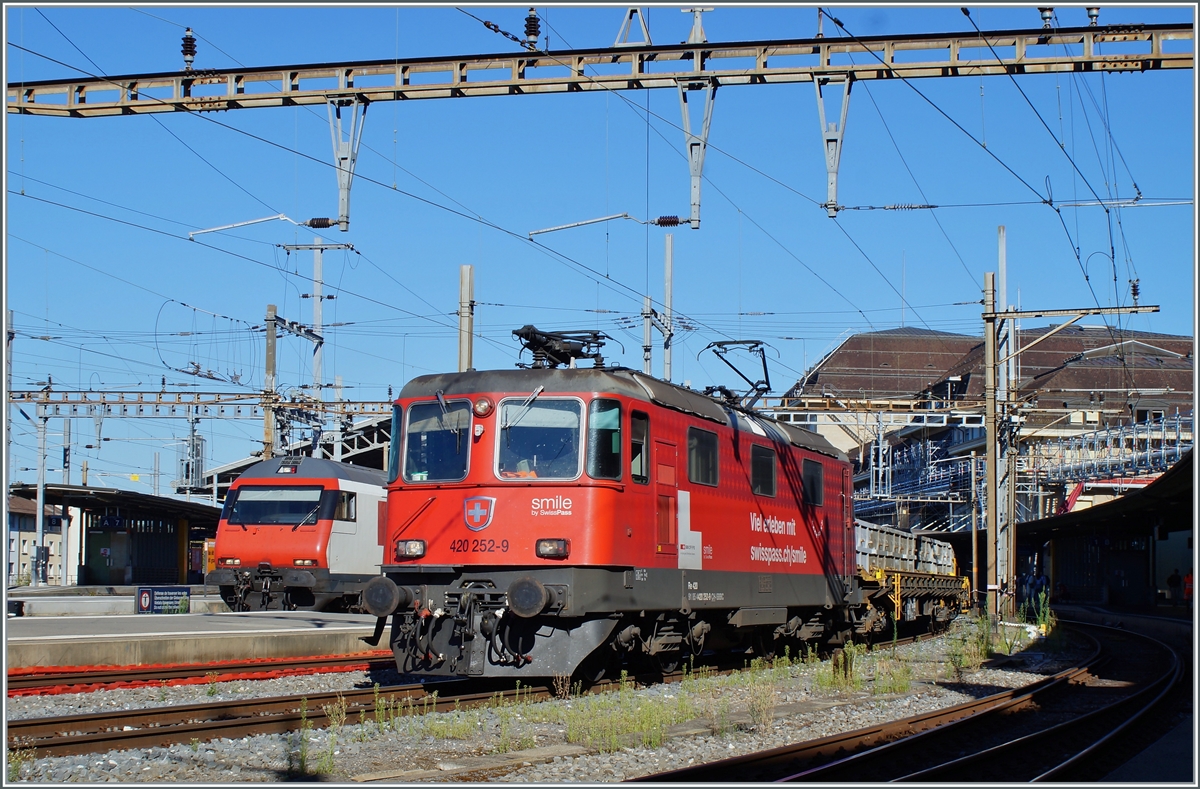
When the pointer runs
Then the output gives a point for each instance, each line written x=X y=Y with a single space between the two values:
x=192 y=233
x=533 y=233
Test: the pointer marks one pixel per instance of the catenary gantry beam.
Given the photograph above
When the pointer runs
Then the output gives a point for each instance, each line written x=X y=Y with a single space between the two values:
x=1040 y=51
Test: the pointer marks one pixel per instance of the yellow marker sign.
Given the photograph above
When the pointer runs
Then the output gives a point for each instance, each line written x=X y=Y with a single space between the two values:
x=134 y=477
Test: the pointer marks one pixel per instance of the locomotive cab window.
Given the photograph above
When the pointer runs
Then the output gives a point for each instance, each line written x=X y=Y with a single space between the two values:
x=813 y=477
x=346 y=509
x=762 y=470
x=639 y=432
x=437 y=441
x=539 y=439
x=604 y=439
x=702 y=456
x=394 y=444
x=284 y=506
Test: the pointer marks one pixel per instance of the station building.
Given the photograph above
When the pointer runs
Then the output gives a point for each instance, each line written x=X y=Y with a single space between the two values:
x=120 y=538
x=1100 y=414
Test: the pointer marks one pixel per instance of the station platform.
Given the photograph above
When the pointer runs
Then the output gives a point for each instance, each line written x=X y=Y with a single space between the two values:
x=97 y=600
x=147 y=639
x=1169 y=760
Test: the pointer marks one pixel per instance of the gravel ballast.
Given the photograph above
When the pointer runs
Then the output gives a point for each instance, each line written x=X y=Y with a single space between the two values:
x=700 y=720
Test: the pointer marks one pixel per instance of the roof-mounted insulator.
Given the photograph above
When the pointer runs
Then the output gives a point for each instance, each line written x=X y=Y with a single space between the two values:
x=1047 y=15
x=1093 y=13
x=189 y=49
x=320 y=222
x=667 y=221
x=533 y=29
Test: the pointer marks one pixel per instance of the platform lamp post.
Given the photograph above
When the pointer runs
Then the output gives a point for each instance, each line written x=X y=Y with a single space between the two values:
x=991 y=320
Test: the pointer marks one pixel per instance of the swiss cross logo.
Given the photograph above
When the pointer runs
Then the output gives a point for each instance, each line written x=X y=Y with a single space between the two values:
x=477 y=512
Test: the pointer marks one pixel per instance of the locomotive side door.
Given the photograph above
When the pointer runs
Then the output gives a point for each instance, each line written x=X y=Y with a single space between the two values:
x=666 y=492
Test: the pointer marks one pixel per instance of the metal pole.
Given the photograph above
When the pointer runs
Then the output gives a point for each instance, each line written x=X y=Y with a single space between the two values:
x=1005 y=561
x=318 y=300
x=66 y=451
x=8 y=359
x=35 y=565
x=974 y=537
x=156 y=474
x=991 y=459
x=466 y=317
x=646 y=313
x=670 y=330
x=269 y=389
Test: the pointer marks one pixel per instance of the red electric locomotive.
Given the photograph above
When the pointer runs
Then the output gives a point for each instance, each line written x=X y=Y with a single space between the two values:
x=545 y=522
x=299 y=532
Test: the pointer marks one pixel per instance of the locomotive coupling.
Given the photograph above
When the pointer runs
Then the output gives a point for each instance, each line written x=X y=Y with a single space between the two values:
x=382 y=597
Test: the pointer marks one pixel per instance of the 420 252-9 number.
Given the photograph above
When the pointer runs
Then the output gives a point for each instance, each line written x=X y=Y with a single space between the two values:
x=466 y=545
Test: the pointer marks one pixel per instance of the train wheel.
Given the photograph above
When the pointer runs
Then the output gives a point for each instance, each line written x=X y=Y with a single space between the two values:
x=666 y=662
x=601 y=664
x=764 y=644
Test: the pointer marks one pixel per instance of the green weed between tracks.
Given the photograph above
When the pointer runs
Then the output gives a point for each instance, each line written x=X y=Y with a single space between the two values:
x=624 y=717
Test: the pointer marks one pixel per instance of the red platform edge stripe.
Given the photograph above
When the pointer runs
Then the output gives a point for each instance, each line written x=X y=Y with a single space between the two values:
x=51 y=670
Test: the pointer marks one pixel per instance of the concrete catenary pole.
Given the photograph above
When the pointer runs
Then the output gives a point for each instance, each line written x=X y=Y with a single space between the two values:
x=35 y=564
x=991 y=460
x=466 y=317
x=318 y=300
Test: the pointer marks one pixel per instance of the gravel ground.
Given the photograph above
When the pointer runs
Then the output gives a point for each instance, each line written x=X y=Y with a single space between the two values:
x=700 y=720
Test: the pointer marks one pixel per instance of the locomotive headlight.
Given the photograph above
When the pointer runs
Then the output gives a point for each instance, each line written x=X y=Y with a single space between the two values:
x=229 y=562
x=553 y=548
x=410 y=549
x=304 y=562
x=482 y=407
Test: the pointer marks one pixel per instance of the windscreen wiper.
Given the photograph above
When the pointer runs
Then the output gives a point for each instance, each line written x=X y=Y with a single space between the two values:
x=525 y=406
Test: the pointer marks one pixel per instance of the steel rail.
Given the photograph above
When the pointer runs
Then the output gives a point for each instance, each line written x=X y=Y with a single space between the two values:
x=1048 y=744
x=160 y=726
x=1062 y=734
x=637 y=66
x=92 y=732
x=72 y=681
x=787 y=760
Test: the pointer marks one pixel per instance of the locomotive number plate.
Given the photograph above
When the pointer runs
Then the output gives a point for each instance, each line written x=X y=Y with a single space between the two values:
x=479 y=546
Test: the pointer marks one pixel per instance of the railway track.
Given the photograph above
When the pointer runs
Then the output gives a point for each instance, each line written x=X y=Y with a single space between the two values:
x=167 y=725
x=37 y=681
x=1040 y=732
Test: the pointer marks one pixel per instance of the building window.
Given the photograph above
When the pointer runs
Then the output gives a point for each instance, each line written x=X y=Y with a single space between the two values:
x=762 y=470
x=813 y=478
x=702 y=456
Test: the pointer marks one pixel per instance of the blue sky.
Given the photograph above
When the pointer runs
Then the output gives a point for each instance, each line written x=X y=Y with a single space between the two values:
x=108 y=293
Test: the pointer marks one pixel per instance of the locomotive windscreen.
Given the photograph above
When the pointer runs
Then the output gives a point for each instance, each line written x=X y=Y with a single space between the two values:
x=288 y=506
x=540 y=439
x=436 y=442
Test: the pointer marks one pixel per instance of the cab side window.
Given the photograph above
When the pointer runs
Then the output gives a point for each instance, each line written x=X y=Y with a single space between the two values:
x=639 y=436
x=762 y=470
x=346 y=509
x=702 y=456
x=812 y=476
x=604 y=439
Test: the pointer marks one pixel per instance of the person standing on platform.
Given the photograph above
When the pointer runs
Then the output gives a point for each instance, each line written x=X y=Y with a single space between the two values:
x=1187 y=589
x=1174 y=582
